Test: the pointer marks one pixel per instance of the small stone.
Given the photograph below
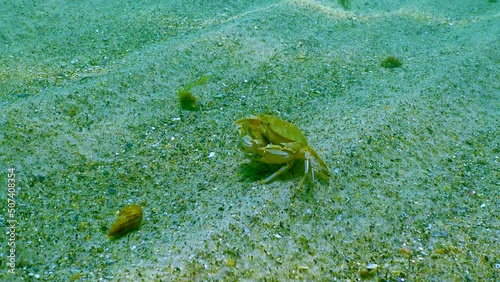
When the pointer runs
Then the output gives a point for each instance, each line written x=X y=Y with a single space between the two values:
x=230 y=262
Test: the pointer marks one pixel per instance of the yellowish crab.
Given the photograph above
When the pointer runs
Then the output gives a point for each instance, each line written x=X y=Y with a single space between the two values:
x=271 y=140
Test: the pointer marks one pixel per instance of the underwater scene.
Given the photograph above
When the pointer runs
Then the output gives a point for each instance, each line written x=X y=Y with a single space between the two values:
x=290 y=140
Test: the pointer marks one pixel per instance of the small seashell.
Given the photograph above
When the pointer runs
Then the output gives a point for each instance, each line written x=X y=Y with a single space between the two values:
x=129 y=219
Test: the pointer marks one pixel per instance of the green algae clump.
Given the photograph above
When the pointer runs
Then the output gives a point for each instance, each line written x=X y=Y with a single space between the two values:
x=391 y=63
x=187 y=100
x=346 y=4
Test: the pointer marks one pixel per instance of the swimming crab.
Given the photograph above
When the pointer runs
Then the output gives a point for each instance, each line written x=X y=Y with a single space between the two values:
x=271 y=140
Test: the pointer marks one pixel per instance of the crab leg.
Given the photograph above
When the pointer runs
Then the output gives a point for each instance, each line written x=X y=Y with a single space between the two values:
x=283 y=169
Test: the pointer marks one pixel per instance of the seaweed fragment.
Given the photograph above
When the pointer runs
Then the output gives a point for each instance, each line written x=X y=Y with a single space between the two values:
x=346 y=4
x=391 y=62
x=187 y=100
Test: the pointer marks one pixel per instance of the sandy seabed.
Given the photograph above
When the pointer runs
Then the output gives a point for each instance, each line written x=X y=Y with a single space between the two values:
x=90 y=121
